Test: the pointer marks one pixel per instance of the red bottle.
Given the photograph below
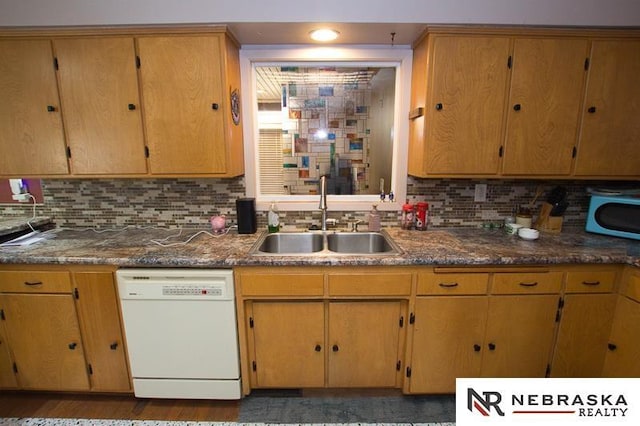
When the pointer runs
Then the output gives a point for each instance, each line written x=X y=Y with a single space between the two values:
x=422 y=215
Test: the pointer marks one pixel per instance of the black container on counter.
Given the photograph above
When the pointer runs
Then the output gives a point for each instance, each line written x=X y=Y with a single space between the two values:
x=247 y=221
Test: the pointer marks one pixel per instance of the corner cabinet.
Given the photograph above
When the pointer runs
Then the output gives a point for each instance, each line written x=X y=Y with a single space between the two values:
x=128 y=102
x=56 y=331
x=513 y=102
x=322 y=327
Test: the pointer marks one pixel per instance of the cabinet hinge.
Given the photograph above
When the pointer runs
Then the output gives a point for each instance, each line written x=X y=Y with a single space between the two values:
x=68 y=152
x=408 y=372
x=76 y=293
x=587 y=62
x=137 y=61
x=398 y=365
x=547 y=372
x=2 y=315
x=146 y=151
x=401 y=321
x=500 y=151
x=15 y=368
x=90 y=369
x=560 y=302
x=574 y=152
x=558 y=315
x=56 y=66
x=253 y=366
x=412 y=318
x=510 y=62
x=250 y=322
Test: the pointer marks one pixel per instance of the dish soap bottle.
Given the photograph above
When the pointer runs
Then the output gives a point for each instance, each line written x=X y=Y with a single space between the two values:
x=374 y=220
x=273 y=219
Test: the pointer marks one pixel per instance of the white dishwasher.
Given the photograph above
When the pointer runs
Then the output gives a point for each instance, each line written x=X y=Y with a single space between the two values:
x=181 y=333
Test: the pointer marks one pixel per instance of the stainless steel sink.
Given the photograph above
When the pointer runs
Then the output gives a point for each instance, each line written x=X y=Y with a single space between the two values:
x=324 y=244
x=359 y=242
x=291 y=243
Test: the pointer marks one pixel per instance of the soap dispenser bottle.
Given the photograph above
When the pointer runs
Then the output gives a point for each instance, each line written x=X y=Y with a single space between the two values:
x=374 y=220
x=273 y=219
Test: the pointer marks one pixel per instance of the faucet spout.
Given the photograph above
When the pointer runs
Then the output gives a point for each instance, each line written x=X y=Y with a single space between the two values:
x=323 y=201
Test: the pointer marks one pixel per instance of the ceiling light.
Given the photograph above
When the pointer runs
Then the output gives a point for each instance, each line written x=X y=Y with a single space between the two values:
x=324 y=34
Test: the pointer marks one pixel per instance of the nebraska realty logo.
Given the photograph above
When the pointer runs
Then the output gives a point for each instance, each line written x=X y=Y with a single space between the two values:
x=552 y=401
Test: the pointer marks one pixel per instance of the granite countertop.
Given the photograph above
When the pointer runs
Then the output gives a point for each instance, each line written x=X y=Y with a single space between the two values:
x=133 y=247
x=11 y=225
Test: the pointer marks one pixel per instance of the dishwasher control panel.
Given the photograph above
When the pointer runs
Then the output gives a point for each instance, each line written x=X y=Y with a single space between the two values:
x=192 y=290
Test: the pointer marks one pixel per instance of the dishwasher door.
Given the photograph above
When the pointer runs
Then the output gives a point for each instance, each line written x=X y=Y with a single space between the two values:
x=181 y=334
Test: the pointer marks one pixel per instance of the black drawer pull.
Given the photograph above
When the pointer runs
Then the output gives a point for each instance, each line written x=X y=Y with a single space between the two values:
x=439 y=106
x=73 y=345
x=51 y=108
x=215 y=107
x=533 y=284
x=448 y=285
x=492 y=346
x=32 y=283
x=612 y=347
x=335 y=348
x=592 y=110
x=318 y=348
x=477 y=347
x=591 y=282
x=131 y=107
x=113 y=346
x=517 y=107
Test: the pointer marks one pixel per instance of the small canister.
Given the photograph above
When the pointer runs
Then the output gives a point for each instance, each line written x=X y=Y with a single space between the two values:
x=407 y=216
x=524 y=216
x=422 y=215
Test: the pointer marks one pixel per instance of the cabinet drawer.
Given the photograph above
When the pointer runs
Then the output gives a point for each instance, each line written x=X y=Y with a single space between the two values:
x=591 y=282
x=632 y=287
x=35 y=282
x=459 y=283
x=282 y=285
x=527 y=283
x=369 y=284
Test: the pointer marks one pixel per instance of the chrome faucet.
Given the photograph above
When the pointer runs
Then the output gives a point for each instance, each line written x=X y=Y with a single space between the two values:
x=323 y=201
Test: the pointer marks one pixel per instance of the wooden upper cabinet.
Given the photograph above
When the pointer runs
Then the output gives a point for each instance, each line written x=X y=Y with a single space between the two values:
x=31 y=137
x=461 y=82
x=610 y=140
x=101 y=108
x=187 y=107
x=544 y=105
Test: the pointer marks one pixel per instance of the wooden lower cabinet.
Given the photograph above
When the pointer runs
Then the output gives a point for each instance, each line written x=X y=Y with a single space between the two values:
x=624 y=342
x=45 y=340
x=60 y=330
x=288 y=344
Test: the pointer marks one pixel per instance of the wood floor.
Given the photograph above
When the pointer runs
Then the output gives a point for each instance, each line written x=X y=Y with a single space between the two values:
x=53 y=405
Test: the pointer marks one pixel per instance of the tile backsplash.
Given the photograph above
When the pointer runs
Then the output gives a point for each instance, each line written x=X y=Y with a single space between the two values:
x=190 y=202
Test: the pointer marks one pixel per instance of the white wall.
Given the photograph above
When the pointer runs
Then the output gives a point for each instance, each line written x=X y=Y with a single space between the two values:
x=518 y=12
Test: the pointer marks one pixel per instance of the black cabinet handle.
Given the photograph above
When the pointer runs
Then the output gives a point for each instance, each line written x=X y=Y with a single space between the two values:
x=72 y=346
x=32 y=283
x=533 y=284
x=476 y=347
x=131 y=107
x=113 y=346
x=492 y=346
x=612 y=347
x=448 y=285
x=215 y=106
x=591 y=282
x=335 y=348
x=318 y=348
x=592 y=110
x=517 y=107
x=51 y=108
x=439 y=106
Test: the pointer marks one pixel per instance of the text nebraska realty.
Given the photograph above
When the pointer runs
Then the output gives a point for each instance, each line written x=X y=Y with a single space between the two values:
x=589 y=405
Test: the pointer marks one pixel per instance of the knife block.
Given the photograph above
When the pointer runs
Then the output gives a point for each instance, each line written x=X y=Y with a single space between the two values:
x=547 y=223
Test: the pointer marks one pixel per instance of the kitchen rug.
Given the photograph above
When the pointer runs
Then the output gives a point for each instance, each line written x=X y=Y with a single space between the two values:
x=96 y=422
x=438 y=409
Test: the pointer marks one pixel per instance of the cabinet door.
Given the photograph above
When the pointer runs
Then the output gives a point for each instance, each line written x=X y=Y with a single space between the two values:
x=183 y=103
x=288 y=340
x=544 y=106
x=464 y=108
x=583 y=335
x=519 y=335
x=363 y=346
x=610 y=125
x=32 y=139
x=102 y=334
x=7 y=375
x=99 y=93
x=624 y=342
x=447 y=342
x=45 y=340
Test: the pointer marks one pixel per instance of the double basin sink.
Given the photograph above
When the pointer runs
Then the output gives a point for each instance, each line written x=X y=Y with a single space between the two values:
x=323 y=243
